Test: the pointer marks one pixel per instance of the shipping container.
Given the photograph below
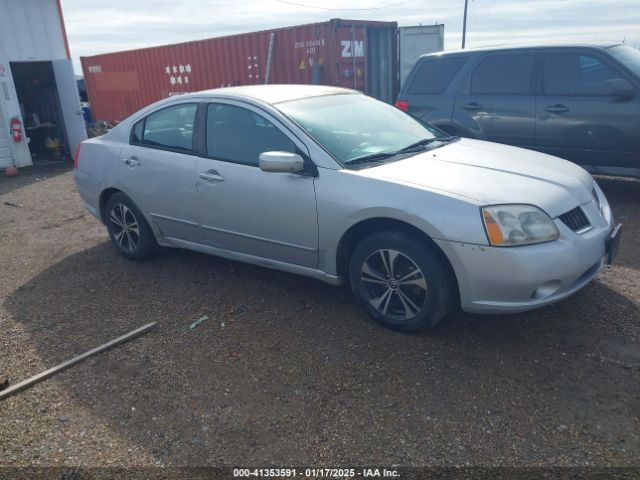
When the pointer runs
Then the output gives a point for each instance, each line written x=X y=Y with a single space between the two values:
x=414 y=42
x=346 y=53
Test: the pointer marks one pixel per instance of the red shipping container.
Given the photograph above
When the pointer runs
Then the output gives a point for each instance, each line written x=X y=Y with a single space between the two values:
x=347 y=53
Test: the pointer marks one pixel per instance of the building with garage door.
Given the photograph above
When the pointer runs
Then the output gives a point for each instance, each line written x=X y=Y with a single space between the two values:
x=40 y=115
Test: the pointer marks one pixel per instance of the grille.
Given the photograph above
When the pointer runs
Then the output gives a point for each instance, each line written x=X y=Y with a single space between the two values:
x=575 y=219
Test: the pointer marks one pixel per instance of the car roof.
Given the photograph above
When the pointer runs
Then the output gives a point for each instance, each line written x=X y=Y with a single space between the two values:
x=498 y=48
x=273 y=94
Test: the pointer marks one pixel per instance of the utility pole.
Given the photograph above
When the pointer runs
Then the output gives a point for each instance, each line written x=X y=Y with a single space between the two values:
x=464 y=23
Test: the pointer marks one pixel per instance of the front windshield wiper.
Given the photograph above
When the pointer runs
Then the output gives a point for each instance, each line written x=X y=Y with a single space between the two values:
x=372 y=157
x=425 y=142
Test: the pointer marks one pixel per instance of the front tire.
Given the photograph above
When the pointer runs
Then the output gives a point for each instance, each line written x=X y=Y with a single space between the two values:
x=128 y=230
x=401 y=281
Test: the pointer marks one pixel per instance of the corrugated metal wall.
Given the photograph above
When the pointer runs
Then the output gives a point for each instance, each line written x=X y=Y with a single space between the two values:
x=31 y=30
x=329 y=53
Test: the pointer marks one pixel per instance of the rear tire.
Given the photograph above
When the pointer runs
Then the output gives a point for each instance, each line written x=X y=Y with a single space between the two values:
x=128 y=230
x=401 y=281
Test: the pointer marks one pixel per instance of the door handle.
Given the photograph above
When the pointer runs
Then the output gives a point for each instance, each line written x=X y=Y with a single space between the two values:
x=132 y=161
x=211 y=176
x=557 y=109
x=472 y=106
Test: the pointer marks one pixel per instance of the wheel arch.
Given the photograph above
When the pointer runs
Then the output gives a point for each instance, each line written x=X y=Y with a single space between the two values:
x=364 y=228
x=104 y=198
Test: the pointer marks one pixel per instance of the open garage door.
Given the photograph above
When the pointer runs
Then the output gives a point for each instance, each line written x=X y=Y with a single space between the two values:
x=70 y=103
x=6 y=155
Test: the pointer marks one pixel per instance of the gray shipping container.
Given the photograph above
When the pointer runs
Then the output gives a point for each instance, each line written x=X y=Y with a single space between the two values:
x=416 y=41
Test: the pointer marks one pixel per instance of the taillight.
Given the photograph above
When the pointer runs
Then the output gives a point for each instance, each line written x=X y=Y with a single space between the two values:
x=402 y=105
x=76 y=157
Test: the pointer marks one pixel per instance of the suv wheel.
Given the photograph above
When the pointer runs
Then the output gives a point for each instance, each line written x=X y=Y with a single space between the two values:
x=129 y=231
x=401 y=281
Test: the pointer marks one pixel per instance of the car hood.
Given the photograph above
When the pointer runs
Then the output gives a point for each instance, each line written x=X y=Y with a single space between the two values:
x=491 y=173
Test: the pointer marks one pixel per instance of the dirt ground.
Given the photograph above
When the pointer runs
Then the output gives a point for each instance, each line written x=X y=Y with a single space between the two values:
x=288 y=370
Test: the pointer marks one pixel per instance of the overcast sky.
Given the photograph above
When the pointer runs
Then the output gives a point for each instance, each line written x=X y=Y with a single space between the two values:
x=106 y=26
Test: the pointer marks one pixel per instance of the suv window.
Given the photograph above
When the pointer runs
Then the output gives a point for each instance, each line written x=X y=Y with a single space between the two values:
x=575 y=74
x=503 y=75
x=239 y=135
x=170 y=128
x=434 y=75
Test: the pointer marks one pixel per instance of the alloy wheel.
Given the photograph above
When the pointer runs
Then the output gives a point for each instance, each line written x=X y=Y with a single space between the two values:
x=126 y=230
x=394 y=284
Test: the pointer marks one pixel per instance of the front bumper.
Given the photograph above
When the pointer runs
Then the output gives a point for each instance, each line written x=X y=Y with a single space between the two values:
x=517 y=279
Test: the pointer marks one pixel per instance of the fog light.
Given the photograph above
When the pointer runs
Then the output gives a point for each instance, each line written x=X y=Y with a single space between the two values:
x=546 y=290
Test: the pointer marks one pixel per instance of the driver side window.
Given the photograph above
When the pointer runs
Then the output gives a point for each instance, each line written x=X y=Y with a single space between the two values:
x=576 y=74
x=238 y=135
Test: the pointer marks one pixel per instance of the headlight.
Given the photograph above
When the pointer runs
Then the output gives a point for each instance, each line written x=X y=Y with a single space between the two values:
x=511 y=225
x=601 y=201
x=596 y=198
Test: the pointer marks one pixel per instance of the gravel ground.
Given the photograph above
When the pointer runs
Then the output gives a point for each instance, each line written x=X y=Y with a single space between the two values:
x=288 y=370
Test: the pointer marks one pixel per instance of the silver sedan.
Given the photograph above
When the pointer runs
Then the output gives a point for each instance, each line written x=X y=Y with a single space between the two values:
x=332 y=184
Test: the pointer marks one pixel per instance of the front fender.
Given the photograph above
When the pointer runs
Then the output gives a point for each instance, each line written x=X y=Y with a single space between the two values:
x=345 y=198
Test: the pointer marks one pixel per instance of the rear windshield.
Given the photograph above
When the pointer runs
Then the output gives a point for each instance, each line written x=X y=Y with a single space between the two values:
x=434 y=75
x=629 y=56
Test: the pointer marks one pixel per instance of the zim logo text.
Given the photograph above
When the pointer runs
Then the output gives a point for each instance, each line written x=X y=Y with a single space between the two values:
x=352 y=49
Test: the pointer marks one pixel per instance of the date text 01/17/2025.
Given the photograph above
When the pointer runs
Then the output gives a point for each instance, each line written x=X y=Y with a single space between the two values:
x=315 y=473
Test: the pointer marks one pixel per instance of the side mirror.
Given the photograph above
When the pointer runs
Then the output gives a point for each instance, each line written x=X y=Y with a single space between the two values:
x=282 y=162
x=621 y=88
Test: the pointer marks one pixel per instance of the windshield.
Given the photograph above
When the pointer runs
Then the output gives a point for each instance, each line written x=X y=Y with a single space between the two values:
x=352 y=126
x=629 y=56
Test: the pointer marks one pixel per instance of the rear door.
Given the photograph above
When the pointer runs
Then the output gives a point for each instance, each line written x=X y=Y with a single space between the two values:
x=378 y=63
x=243 y=209
x=577 y=119
x=496 y=101
x=158 y=171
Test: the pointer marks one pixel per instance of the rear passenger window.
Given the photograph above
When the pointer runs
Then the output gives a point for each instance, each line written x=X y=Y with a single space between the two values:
x=575 y=74
x=502 y=75
x=434 y=75
x=170 y=128
x=239 y=135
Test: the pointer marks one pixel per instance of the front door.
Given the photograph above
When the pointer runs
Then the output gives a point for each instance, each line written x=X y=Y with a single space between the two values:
x=577 y=119
x=158 y=171
x=496 y=103
x=246 y=210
